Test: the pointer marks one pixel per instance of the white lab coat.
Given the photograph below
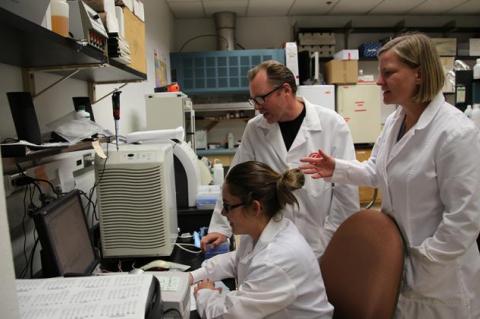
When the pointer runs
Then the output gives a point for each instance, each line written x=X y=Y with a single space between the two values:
x=322 y=206
x=430 y=183
x=279 y=277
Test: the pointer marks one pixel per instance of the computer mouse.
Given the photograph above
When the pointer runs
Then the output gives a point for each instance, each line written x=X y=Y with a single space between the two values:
x=136 y=271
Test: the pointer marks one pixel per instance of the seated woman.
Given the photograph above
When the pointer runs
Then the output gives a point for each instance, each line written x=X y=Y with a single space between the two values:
x=276 y=271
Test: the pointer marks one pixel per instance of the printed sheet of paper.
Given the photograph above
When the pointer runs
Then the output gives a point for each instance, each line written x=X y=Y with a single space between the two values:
x=120 y=297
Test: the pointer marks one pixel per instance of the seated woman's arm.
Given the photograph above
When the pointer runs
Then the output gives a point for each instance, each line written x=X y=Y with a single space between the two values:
x=216 y=268
x=266 y=290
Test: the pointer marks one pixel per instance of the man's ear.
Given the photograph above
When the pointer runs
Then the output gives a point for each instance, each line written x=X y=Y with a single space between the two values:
x=287 y=88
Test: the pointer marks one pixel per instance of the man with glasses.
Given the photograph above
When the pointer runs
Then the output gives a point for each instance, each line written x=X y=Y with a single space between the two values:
x=287 y=129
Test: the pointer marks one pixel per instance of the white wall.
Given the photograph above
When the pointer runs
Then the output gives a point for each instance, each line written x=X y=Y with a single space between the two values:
x=8 y=294
x=272 y=32
x=57 y=102
x=159 y=30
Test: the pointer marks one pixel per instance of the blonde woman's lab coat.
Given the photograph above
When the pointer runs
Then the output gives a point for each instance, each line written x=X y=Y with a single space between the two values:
x=278 y=277
x=430 y=183
x=322 y=206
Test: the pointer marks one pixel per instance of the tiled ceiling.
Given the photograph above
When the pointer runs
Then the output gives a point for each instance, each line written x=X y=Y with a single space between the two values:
x=280 y=8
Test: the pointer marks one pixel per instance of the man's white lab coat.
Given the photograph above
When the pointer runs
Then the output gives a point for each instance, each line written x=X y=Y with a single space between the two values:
x=278 y=277
x=322 y=206
x=430 y=183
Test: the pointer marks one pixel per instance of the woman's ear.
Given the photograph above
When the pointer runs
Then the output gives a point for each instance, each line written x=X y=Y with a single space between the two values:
x=257 y=207
x=418 y=76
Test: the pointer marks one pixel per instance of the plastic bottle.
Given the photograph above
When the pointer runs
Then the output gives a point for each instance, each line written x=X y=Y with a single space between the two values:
x=230 y=140
x=218 y=173
x=59 y=9
x=476 y=114
x=82 y=114
x=468 y=111
x=476 y=70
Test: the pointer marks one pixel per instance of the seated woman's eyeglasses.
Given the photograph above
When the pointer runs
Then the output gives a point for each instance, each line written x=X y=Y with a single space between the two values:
x=259 y=100
x=228 y=207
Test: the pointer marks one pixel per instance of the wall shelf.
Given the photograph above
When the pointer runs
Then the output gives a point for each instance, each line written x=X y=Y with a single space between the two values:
x=30 y=46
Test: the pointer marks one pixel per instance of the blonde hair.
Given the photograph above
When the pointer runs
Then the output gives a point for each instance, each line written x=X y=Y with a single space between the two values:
x=254 y=180
x=277 y=74
x=417 y=51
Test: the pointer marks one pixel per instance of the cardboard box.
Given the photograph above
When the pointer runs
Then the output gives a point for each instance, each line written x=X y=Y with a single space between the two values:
x=474 y=47
x=445 y=46
x=135 y=36
x=447 y=63
x=316 y=38
x=341 y=71
x=369 y=49
x=346 y=55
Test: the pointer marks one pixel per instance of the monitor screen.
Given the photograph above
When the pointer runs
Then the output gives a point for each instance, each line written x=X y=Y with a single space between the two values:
x=63 y=232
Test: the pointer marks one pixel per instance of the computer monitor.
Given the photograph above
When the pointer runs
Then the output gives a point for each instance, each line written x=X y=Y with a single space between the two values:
x=63 y=232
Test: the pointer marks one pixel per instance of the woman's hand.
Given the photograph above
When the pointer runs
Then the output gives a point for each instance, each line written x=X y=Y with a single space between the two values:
x=205 y=284
x=319 y=165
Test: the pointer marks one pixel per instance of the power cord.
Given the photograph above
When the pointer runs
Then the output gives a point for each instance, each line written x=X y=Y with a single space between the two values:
x=188 y=250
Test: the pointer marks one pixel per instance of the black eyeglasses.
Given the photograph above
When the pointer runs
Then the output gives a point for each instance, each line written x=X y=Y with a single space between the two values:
x=259 y=100
x=227 y=208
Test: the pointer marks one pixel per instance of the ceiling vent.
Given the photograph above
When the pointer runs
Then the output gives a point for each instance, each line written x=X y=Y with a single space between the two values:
x=225 y=27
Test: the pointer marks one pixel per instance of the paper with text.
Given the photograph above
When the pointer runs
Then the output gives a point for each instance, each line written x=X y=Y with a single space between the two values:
x=120 y=297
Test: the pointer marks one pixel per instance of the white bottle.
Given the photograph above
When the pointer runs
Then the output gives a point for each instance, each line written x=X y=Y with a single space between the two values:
x=468 y=111
x=476 y=70
x=82 y=114
x=218 y=173
x=476 y=114
x=230 y=140
x=59 y=10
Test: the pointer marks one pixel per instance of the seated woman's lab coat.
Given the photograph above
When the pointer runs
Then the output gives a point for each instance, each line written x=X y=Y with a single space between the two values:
x=279 y=277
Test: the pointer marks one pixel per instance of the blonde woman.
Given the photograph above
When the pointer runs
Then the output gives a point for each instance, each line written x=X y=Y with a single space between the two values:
x=426 y=164
x=276 y=271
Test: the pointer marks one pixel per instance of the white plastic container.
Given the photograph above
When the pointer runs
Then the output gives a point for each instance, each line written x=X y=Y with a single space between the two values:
x=476 y=70
x=59 y=10
x=218 y=173
x=82 y=114
x=468 y=111
x=476 y=114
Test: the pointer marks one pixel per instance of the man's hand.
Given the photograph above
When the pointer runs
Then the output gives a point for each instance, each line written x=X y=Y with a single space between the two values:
x=213 y=239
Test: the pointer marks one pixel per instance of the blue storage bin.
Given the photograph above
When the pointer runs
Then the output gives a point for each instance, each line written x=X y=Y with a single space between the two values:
x=369 y=49
x=218 y=71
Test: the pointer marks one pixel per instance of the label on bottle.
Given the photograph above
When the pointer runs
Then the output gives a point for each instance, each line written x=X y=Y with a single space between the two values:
x=460 y=94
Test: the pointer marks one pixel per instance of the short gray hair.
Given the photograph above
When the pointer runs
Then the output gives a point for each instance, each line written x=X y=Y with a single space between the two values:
x=277 y=73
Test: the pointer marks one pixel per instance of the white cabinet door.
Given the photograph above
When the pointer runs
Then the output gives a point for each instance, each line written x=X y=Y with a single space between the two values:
x=360 y=106
x=323 y=95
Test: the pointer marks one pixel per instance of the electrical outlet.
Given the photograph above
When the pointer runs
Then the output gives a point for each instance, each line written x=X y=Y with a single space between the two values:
x=88 y=160
x=9 y=183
